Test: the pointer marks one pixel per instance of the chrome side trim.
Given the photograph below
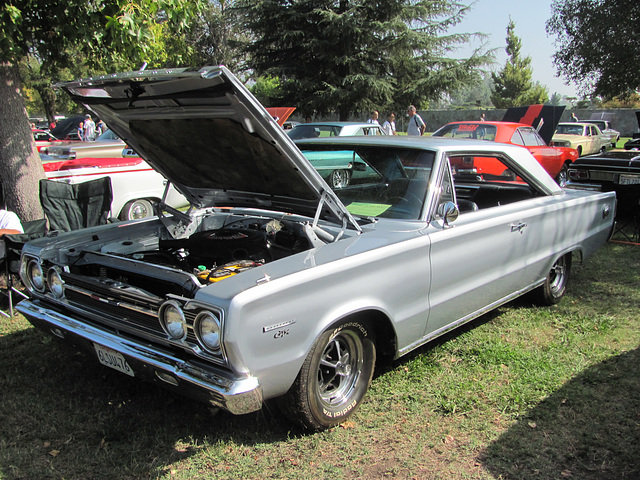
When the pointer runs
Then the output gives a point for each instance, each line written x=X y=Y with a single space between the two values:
x=468 y=318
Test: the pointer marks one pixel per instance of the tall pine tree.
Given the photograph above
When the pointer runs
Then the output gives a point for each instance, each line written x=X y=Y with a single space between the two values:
x=351 y=56
x=512 y=85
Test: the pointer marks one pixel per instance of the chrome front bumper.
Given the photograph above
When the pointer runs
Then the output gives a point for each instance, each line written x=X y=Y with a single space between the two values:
x=217 y=387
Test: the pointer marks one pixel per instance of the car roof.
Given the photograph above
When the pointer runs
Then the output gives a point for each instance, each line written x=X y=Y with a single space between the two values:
x=340 y=124
x=441 y=145
x=490 y=122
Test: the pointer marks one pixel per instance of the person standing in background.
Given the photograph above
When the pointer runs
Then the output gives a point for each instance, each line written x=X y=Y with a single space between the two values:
x=89 y=129
x=100 y=128
x=389 y=126
x=416 y=125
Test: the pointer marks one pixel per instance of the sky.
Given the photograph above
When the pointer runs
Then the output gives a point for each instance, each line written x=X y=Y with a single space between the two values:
x=530 y=16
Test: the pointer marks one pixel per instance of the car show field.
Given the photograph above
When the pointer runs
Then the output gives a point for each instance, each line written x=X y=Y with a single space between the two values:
x=299 y=240
x=502 y=398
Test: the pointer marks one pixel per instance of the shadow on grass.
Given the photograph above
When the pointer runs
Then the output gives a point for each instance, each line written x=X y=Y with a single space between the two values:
x=63 y=415
x=589 y=429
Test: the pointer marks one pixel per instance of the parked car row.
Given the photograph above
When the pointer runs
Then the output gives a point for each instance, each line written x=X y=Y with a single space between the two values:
x=273 y=285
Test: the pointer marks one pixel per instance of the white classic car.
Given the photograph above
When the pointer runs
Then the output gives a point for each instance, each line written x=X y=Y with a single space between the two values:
x=334 y=129
x=275 y=285
x=135 y=185
x=607 y=130
x=585 y=137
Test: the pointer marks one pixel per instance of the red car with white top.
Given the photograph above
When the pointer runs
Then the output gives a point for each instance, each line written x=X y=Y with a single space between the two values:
x=555 y=160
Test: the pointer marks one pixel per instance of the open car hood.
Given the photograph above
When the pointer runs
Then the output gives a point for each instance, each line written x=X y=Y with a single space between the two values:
x=544 y=118
x=205 y=132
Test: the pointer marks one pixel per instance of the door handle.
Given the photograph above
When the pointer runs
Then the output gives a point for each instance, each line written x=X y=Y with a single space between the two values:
x=518 y=227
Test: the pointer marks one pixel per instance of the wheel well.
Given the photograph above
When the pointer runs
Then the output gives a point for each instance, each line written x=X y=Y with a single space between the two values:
x=577 y=256
x=386 y=340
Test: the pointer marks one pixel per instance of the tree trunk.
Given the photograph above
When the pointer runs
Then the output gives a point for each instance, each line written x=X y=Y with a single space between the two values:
x=48 y=97
x=20 y=164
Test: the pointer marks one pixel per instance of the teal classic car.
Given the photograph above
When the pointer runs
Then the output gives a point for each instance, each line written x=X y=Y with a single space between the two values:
x=341 y=168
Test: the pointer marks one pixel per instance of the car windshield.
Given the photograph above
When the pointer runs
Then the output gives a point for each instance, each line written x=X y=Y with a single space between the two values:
x=313 y=131
x=477 y=131
x=108 y=136
x=569 y=129
x=373 y=181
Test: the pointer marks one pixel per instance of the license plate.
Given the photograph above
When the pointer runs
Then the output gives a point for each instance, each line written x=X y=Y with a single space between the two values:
x=113 y=359
x=629 y=180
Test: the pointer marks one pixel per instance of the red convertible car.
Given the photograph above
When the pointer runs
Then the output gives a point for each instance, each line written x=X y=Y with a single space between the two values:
x=555 y=160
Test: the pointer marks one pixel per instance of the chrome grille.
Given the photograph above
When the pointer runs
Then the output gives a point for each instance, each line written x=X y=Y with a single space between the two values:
x=136 y=316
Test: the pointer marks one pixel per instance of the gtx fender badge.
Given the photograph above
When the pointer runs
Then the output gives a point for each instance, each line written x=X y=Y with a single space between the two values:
x=280 y=327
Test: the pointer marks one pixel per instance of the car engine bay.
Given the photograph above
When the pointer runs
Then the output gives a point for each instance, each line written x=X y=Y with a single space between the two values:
x=239 y=245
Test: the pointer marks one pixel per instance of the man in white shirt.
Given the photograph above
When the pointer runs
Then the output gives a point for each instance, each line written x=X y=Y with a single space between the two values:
x=416 y=125
x=389 y=127
x=89 y=129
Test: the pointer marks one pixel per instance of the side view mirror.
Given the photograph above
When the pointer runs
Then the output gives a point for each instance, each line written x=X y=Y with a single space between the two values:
x=449 y=212
x=359 y=167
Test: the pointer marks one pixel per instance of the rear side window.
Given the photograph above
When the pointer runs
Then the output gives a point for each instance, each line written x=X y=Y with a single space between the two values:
x=516 y=138
x=530 y=137
x=476 y=131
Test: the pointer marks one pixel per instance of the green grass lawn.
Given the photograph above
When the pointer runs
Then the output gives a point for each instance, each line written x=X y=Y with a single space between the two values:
x=522 y=393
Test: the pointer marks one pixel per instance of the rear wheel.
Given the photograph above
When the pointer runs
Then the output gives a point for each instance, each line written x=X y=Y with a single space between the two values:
x=555 y=285
x=334 y=377
x=137 y=209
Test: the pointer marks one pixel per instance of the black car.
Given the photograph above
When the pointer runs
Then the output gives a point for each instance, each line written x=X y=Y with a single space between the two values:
x=634 y=143
x=617 y=171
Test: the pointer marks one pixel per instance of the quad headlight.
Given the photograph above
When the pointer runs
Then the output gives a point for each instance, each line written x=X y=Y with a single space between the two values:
x=172 y=320
x=207 y=328
x=56 y=284
x=35 y=276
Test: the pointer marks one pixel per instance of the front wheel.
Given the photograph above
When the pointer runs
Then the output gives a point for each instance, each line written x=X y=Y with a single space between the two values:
x=334 y=377
x=555 y=285
x=563 y=176
x=339 y=178
x=137 y=209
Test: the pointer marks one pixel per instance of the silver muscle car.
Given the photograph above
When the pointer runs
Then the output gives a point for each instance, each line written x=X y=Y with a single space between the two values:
x=274 y=285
